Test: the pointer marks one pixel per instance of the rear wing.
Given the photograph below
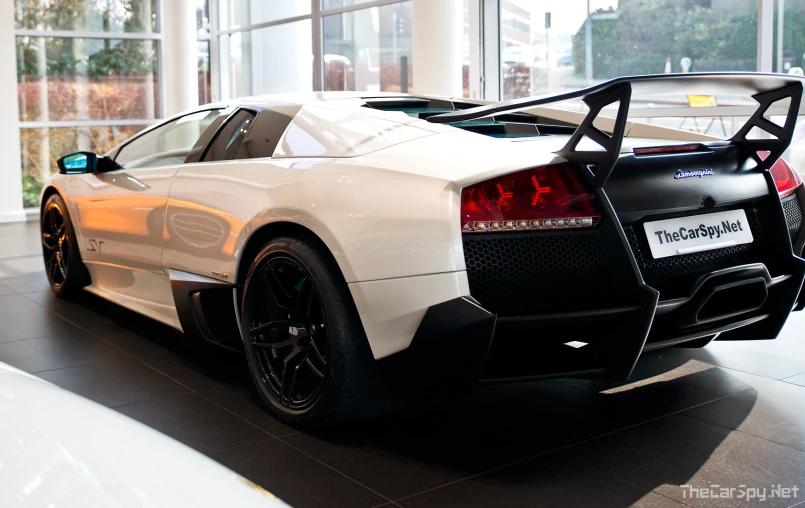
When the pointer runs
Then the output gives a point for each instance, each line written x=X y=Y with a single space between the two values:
x=766 y=89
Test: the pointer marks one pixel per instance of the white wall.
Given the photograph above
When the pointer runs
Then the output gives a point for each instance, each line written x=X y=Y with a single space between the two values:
x=10 y=171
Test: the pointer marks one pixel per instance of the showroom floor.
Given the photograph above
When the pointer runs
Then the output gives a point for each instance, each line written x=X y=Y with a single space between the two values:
x=731 y=415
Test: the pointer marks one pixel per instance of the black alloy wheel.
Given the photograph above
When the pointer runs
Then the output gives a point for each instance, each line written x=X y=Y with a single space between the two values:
x=63 y=265
x=305 y=346
x=56 y=245
x=287 y=331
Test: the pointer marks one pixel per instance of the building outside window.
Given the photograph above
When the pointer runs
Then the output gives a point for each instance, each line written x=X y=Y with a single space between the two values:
x=544 y=48
x=628 y=37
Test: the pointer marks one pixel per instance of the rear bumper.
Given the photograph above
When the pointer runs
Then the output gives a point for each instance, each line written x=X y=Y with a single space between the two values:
x=622 y=317
x=461 y=342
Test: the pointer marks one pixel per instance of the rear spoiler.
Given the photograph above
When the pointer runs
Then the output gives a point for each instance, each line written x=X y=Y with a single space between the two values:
x=766 y=89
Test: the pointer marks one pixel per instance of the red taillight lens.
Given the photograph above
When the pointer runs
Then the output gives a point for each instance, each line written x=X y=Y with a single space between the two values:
x=785 y=178
x=548 y=197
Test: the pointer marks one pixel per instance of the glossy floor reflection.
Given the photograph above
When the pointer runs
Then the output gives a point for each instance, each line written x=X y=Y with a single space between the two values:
x=729 y=415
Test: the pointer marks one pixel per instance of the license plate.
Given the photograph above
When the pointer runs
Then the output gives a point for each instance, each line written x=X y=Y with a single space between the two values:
x=686 y=235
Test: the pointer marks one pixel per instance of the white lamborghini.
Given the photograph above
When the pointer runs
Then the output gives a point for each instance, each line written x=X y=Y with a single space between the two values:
x=363 y=248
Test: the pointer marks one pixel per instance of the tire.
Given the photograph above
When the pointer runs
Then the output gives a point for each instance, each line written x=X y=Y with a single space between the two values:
x=64 y=268
x=299 y=319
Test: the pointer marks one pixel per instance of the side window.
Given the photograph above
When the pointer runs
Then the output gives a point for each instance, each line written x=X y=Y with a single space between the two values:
x=226 y=144
x=168 y=144
x=202 y=141
x=266 y=132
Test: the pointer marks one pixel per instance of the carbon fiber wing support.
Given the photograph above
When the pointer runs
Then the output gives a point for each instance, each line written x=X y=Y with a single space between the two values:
x=598 y=164
x=766 y=89
x=781 y=135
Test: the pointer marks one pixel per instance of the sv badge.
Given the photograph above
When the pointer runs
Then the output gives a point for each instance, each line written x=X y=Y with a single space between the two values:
x=95 y=246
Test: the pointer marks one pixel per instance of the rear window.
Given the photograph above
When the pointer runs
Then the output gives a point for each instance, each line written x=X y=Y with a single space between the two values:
x=266 y=132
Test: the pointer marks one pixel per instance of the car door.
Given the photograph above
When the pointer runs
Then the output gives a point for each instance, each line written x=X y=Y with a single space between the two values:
x=212 y=201
x=121 y=214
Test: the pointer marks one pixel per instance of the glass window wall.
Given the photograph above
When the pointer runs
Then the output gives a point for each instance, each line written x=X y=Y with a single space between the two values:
x=87 y=79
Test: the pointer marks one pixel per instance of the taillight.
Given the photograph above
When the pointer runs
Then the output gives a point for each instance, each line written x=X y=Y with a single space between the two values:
x=547 y=197
x=785 y=178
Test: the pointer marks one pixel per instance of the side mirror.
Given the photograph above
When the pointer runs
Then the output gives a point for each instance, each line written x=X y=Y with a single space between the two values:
x=78 y=163
x=85 y=162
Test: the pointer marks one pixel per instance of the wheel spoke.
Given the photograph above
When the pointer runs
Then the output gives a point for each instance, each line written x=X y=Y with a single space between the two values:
x=47 y=220
x=275 y=345
x=53 y=216
x=275 y=288
x=45 y=238
x=291 y=363
x=310 y=299
x=62 y=268
x=65 y=250
x=316 y=350
x=313 y=368
x=53 y=264
x=268 y=326
x=294 y=376
x=271 y=371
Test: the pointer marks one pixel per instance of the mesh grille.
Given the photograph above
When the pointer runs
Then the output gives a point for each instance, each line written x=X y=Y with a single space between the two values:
x=527 y=273
x=793 y=215
x=660 y=273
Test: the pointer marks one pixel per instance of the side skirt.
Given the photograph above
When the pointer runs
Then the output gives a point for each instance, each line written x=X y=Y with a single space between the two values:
x=205 y=309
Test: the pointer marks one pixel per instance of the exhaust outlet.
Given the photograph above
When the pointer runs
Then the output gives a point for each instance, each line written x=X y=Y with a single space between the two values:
x=733 y=299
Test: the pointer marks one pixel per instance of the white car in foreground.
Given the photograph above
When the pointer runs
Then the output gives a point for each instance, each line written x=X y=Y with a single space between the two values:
x=359 y=247
x=60 y=450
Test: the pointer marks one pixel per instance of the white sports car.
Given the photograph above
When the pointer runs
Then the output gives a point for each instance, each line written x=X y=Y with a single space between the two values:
x=60 y=450
x=360 y=248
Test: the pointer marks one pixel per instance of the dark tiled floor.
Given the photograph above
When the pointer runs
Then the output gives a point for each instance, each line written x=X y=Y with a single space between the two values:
x=731 y=414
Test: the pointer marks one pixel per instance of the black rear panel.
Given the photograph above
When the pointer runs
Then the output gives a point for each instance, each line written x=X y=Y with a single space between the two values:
x=651 y=185
x=532 y=273
x=651 y=188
